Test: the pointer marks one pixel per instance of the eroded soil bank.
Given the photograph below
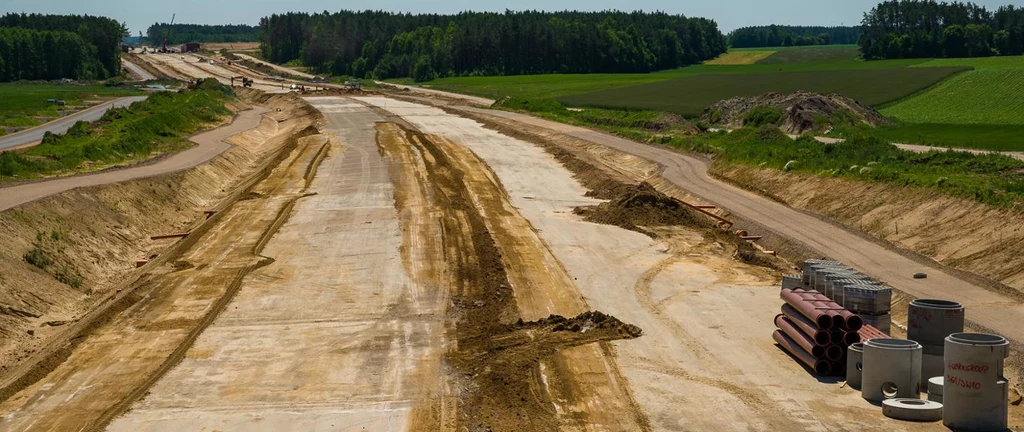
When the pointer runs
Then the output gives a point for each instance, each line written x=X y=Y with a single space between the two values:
x=962 y=234
x=71 y=259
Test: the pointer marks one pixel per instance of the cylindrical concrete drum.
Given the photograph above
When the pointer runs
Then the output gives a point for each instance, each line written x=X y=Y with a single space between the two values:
x=974 y=390
x=929 y=321
x=892 y=369
x=854 y=364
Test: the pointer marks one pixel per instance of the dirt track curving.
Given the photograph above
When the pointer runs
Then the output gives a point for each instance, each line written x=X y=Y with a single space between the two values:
x=209 y=144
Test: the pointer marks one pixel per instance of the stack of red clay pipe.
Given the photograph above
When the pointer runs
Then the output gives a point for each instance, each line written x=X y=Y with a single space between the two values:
x=816 y=330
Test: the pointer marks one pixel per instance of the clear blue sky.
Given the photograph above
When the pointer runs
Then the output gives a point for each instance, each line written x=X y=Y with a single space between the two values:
x=730 y=14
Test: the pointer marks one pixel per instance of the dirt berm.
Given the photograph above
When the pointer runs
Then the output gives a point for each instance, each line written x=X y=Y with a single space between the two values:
x=801 y=111
x=69 y=254
x=641 y=205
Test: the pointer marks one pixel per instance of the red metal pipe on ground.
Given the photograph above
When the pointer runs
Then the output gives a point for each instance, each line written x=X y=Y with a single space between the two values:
x=822 y=302
x=850 y=338
x=869 y=332
x=834 y=352
x=821 y=337
x=837 y=368
x=820 y=367
x=812 y=310
x=805 y=341
x=849 y=320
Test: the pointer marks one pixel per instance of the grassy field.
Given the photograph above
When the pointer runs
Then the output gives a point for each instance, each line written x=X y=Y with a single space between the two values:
x=993 y=93
x=980 y=108
x=741 y=57
x=24 y=104
x=556 y=85
x=977 y=136
x=689 y=96
x=822 y=53
x=157 y=125
x=985 y=178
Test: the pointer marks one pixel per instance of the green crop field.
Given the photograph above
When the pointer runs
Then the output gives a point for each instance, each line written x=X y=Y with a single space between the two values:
x=691 y=95
x=24 y=104
x=993 y=93
x=555 y=85
x=822 y=53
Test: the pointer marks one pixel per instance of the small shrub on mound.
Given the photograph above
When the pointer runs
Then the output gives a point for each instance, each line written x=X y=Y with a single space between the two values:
x=763 y=115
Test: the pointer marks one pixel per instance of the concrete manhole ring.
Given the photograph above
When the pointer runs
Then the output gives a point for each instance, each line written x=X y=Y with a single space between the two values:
x=912 y=409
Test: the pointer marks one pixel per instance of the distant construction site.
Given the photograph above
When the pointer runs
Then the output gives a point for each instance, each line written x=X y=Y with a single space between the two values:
x=333 y=257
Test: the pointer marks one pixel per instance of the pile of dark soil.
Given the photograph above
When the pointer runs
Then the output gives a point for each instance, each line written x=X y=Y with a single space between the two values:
x=641 y=205
x=802 y=111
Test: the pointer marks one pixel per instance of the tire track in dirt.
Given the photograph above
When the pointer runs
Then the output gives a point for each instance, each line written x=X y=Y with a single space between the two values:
x=146 y=290
x=507 y=373
x=175 y=357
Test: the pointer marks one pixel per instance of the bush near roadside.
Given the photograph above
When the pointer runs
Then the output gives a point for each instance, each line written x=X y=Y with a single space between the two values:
x=990 y=178
x=157 y=125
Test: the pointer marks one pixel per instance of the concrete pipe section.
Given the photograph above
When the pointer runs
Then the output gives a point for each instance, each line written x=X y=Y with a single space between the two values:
x=935 y=389
x=892 y=369
x=974 y=390
x=912 y=409
x=854 y=364
x=929 y=321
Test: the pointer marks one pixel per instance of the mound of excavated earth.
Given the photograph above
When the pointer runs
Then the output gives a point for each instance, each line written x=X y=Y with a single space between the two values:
x=802 y=111
x=642 y=205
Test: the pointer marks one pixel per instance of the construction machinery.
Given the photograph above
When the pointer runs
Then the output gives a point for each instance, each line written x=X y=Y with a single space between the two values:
x=163 y=47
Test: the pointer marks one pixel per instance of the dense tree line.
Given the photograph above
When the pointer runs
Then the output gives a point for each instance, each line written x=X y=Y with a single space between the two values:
x=387 y=45
x=46 y=54
x=925 y=28
x=776 y=35
x=183 y=33
x=102 y=34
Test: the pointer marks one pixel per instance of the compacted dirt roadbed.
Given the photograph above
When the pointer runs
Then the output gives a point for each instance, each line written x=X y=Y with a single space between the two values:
x=411 y=269
x=987 y=308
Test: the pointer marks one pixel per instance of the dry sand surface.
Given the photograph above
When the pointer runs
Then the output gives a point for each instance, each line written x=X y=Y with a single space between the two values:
x=122 y=347
x=275 y=66
x=189 y=67
x=407 y=268
x=335 y=332
x=706 y=318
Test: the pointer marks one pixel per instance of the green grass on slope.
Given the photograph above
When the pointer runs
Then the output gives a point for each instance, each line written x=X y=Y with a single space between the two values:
x=983 y=96
x=977 y=136
x=822 y=53
x=978 y=62
x=689 y=96
x=555 y=85
x=23 y=104
x=985 y=178
x=158 y=124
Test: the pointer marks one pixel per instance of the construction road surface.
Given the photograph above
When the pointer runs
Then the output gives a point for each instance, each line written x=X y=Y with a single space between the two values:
x=409 y=268
x=62 y=124
x=208 y=145
x=135 y=69
x=986 y=308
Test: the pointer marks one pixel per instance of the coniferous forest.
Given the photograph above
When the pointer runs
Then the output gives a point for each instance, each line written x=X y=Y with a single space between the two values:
x=183 y=33
x=779 y=35
x=426 y=46
x=909 y=29
x=38 y=46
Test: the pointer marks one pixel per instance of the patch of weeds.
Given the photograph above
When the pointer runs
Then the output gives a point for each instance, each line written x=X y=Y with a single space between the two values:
x=763 y=115
x=38 y=257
